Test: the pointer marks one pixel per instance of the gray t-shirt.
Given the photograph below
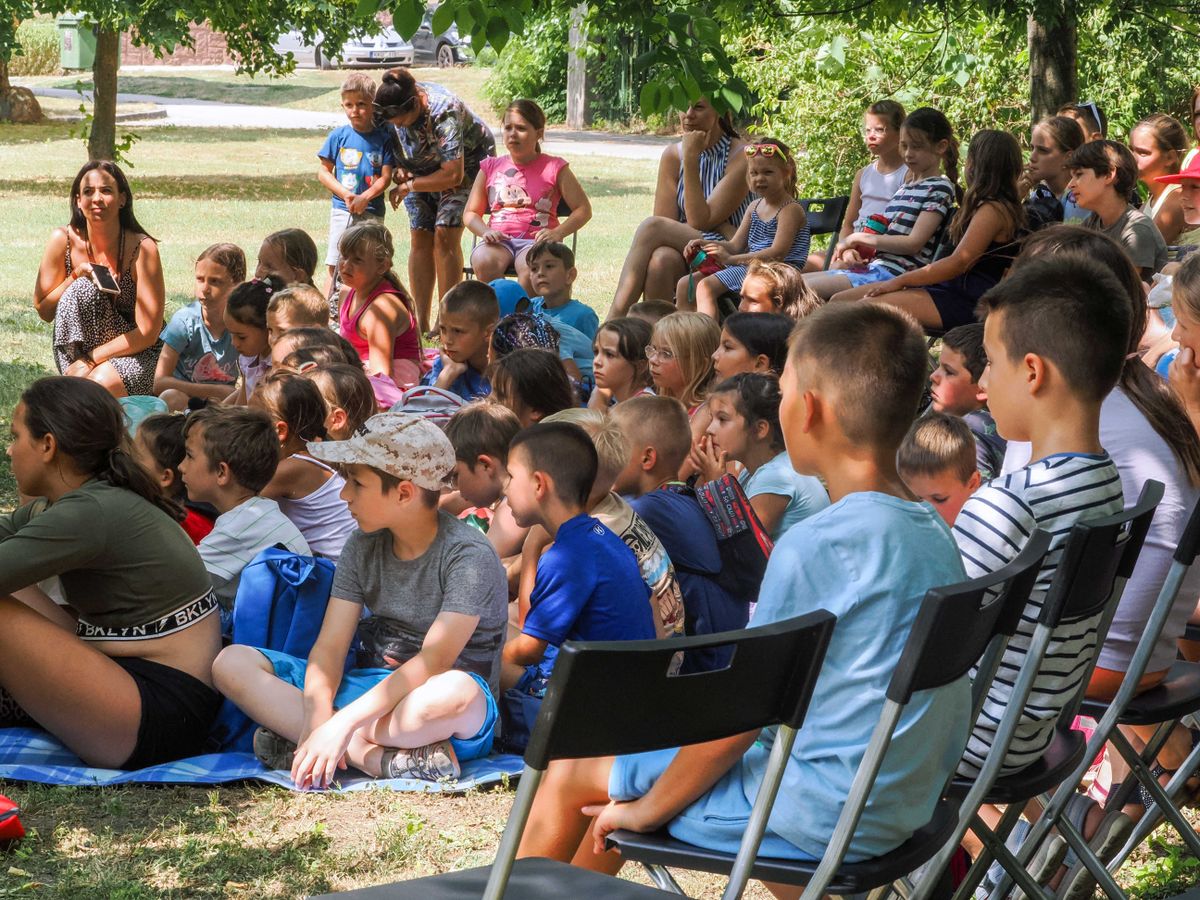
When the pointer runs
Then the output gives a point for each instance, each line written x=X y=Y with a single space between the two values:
x=1138 y=234
x=459 y=573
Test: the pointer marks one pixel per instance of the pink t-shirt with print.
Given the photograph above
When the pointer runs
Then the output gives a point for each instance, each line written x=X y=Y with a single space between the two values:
x=524 y=199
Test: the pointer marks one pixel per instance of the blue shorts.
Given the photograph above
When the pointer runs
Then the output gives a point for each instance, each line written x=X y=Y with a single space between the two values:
x=717 y=820
x=357 y=682
x=872 y=275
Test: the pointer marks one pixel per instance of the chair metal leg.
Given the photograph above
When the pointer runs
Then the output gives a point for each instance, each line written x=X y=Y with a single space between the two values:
x=1147 y=823
x=511 y=839
x=1014 y=869
x=756 y=827
x=1164 y=802
x=1090 y=860
x=663 y=879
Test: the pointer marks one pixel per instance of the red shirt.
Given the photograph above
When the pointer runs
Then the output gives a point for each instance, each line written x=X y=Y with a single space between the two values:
x=197 y=525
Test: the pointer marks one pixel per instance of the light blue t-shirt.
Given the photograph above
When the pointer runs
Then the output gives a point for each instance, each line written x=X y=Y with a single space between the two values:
x=806 y=495
x=358 y=159
x=868 y=559
x=203 y=359
x=578 y=315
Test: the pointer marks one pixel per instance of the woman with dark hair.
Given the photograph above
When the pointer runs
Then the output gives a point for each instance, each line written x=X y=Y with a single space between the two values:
x=439 y=144
x=101 y=283
x=121 y=674
x=700 y=193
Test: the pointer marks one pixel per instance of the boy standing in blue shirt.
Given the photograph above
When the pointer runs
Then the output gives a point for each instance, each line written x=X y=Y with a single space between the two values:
x=851 y=386
x=356 y=165
x=588 y=586
x=552 y=272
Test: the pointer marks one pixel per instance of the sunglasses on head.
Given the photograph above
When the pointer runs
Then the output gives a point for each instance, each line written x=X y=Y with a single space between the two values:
x=390 y=112
x=767 y=150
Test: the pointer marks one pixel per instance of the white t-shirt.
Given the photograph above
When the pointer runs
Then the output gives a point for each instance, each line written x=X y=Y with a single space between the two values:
x=240 y=535
x=1141 y=454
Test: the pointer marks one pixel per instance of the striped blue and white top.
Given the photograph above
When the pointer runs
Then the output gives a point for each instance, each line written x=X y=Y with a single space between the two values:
x=1052 y=494
x=762 y=236
x=936 y=195
x=713 y=163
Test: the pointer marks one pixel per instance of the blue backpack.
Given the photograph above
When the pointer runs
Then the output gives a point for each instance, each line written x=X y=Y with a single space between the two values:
x=280 y=605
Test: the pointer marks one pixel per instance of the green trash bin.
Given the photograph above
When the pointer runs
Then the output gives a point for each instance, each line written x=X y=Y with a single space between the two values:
x=78 y=41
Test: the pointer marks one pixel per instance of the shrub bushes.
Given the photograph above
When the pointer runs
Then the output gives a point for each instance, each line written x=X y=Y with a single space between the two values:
x=37 y=50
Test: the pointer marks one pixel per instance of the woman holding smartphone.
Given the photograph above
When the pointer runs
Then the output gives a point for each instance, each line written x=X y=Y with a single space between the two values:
x=101 y=284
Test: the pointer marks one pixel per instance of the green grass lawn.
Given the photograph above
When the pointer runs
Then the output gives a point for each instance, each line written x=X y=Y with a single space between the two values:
x=311 y=89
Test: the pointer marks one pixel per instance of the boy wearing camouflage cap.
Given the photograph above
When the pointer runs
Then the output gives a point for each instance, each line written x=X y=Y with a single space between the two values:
x=421 y=698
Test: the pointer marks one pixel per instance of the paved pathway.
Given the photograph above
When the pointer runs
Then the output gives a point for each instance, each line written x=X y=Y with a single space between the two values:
x=213 y=114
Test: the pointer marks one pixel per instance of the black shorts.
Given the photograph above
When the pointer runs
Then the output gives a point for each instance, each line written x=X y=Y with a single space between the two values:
x=177 y=713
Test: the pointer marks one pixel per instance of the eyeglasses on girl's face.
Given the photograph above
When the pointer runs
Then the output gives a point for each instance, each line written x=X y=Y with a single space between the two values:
x=653 y=352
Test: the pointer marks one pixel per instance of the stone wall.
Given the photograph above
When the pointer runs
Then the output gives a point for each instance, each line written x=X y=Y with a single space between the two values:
x=210 y=50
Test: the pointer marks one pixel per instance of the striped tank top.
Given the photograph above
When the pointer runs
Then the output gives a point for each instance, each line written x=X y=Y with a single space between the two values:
x=762 y=236
x=713 y=163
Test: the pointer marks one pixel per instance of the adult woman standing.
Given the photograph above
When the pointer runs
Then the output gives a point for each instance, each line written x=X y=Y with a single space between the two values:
x=108 y=337
x=439 y=144
x=701 y=193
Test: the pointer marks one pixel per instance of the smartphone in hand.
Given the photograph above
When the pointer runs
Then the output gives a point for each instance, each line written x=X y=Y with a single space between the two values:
x=102 y=277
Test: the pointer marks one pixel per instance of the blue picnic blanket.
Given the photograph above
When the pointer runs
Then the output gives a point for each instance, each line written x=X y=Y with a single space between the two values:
x=28 y=754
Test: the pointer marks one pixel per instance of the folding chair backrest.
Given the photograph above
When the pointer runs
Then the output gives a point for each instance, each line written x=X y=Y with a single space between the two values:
x=608 y=697
x=1097 y=553
x=956 y=623
x=825 y=214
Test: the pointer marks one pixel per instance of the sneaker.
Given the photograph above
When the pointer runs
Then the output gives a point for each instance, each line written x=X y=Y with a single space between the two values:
x=273 y=750
x=433 y=762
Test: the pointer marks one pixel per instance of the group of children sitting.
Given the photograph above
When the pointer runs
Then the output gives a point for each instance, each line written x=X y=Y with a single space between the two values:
x=546 y=482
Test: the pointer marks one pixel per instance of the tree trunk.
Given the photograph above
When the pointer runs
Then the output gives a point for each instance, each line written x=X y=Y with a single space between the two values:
x=579 y=107
x=1052 y=47
x=17 y=105
x=102 y=140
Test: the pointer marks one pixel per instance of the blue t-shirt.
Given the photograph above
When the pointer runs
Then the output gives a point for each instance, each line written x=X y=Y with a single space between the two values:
x=203 y=359
x=470 y=385
x=573 y=344
x=358 y=159
x=588 y=588
x=806 y=495
x=868 y=559
x=675 y=517
x=578 y=315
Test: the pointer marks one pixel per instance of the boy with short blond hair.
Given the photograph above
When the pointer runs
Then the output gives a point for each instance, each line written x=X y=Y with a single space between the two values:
x=469 y=315
x=231 y=455
x=851 y=386
x=296 y=306
x=937 y=461
x=356 y=165
x=1056 y=335
x=428 y=669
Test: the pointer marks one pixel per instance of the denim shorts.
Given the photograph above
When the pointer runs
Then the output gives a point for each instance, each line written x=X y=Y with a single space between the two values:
x=339 y=221
x=716 y=820
x=357 y=682
x=516 y=246
x=430 y=210
x=872 y=275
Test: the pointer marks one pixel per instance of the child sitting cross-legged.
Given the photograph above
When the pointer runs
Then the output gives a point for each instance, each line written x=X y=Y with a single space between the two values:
x=853 y=380
x=954 y=389
x=588 y=586
x=481 y=432
x=937 y=461
x=660 y=439
x=468 y=315
x=552 y=273
x=307 y=490
x=231 y=455
x=421 y=700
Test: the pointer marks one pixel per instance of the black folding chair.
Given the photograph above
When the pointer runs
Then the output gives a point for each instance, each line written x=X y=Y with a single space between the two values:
x=609 y=698
x=955 y=627
x=511 y=272
x=1163 y=705
x=1097 y=560
x=825 y=216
